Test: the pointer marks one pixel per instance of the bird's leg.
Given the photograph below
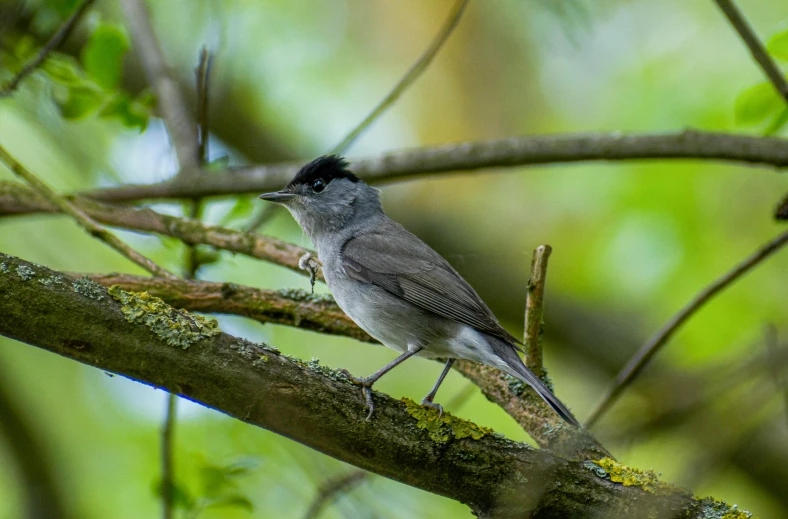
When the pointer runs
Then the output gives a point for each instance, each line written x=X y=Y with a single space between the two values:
x=427 y=400
x=309 y=263
x=366 y=382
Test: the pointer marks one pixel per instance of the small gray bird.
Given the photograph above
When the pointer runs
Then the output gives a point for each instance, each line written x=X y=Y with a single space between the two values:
x=393 y=285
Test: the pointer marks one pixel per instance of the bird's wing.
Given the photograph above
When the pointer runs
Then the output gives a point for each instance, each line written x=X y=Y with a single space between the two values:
x=405 y=266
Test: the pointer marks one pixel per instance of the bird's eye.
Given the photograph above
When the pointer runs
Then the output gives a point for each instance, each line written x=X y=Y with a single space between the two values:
x=318 y=185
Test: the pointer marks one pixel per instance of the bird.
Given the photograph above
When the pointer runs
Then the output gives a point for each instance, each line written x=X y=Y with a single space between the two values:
x=393 y=285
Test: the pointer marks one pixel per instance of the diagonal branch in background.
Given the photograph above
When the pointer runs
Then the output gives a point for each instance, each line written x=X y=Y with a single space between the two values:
x=534 y=311
x=758 y=51
x=469 y=156
x=80 y=217
x=185 y=229
x=408 y=79
x=495 y=477
x=639 y=361
x=319 y=313
x=57 y=39
x=177 y=118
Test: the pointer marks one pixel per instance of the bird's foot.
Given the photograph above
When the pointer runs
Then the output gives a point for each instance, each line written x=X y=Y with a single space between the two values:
x=427 y=402
x=309 y=263
x=366 y=389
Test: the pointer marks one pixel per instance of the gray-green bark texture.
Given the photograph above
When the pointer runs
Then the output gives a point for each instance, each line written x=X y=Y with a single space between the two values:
x=148 y=341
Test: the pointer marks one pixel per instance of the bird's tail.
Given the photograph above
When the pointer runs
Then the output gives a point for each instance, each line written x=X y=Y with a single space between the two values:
x=518 y=369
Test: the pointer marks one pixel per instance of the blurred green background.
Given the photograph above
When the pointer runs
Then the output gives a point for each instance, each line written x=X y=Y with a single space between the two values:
x=633 y=241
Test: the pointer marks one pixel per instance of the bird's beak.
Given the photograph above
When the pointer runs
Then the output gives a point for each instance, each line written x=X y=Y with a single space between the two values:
x=277 y=196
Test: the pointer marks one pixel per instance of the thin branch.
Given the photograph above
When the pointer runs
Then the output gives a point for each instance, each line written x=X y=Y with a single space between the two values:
x=333 y=489
x=469 y=156
x=534 y=311
x=757 y=49
x=171 y=104
x=203 y=77
x=315 y=406
x=187 y=230
x=639 y=361
x=81 y=218
x=57 y=39
x=782 y=210
x=409 y=78
x=167 y=458
x=25 y=447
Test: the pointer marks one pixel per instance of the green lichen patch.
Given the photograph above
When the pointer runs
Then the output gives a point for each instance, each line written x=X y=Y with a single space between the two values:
x=444 y=427
x=314 y=365
x=52 y=280
x=174 y=326
x=297 y=294
x=3 y=268
x=88 y=288
x=648 y=480
x=25 y=272
x=711 y=509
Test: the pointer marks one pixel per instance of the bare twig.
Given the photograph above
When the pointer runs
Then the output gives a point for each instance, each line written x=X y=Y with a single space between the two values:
x=25 y=447
x=57 y=39
x=782 y=210
x=409 y=78
x=82 y=219
x=468 y=156
x=534 y=310
x=171 y=104
x=333 y=489
x=758 y=51
x=203 y=77
x=639 y=361
x=167 y=459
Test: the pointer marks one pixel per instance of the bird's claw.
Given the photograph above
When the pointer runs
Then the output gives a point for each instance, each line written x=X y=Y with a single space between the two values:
x=432 y=405
x=366 y=390
x=309 y=263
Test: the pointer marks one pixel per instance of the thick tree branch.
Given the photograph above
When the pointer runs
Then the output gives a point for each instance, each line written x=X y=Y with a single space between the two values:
x=758 y=51
x=180 y=124
x=469 y=156
x=315 y=406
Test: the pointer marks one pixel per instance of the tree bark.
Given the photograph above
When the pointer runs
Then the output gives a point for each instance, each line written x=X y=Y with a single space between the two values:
x=316 y=406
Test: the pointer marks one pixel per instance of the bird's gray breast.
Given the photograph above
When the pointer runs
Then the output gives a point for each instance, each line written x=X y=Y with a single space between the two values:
x=393 y=321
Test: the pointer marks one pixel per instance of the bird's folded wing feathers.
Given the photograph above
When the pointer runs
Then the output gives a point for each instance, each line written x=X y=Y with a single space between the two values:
x=405 y=266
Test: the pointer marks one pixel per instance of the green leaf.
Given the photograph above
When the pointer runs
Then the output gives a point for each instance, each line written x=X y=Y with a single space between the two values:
x=757 y=103
x=63 y=69
x=102 y=55
x=231 y=500
x=82 y=100
x=130 y=112
x=778 y=45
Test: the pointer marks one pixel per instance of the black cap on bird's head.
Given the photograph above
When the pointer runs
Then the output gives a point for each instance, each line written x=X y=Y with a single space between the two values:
x=315 y=176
